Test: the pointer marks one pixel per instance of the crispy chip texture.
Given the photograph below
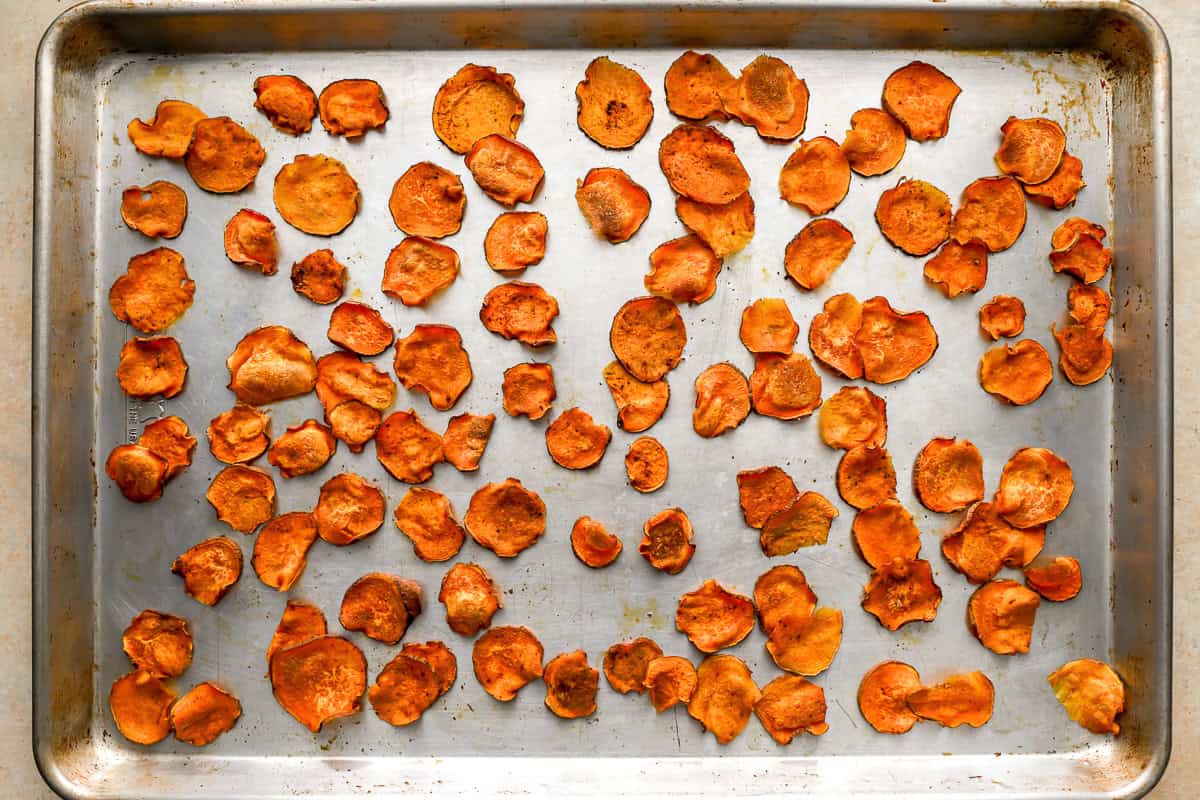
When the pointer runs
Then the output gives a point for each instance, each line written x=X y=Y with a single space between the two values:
x=921 y=97
x=417 y=269
x=782 y=592
x=852 y=417
x=428 y=200
x=352 y=106
x=646 y=464
x=138 y=471
x=204 y=713
x=901 y=592
x=270 y=364
x=816 y=251
x=983 y=542
x=1061 y=188
x=683 y=270
x=883 y=697
x=784 y=386
x=506 y=659
x=317 y=195
x=693 y=84
x=1073 y=228
x=303 y=449
x=614 y=104
x=804 y=523
x=1084 y=258
x=169 y=133
x=348 y=508
x=209 y=569
x=893 y=344
x=244 y=497
x=505 y=517
x=466 y=438
x=360 y=329
x=885 y=533
x=626 y=664
x=471 y=598
x=354 y=422
x=768 y=326
x=521 y=311
x=319 y=680
x=281 y=549
x=806 y=644
x=724 y=696
x=790 y=705
x=948 y=475
x=831 y=335
x=377 y=604
x=1058 y=580
x=991 y=210
x=764 y=491
x=223 y=156
x=1035 y=487
x=516 y=240
x=1002 y=316
x=250 y=242
x=432 y=360
x=1031 y=149
x=768 y=95
x=288 y=102
x=1086 y=353
x=671 y=680
x=816 y=176
x=648 y=336
x=667 y=541
x=1000 y=613
x=914 y=216
x=713 y=618
x=158 y=643
x=875 y=142
x=1089 y=305
x=960 y=699
x=1016 y=373
x=593 y=544
x=700 y=163
x=169 y=439
x=1091 y=693
x=150 y=367
x=506 y=170
x=408 y=449
x=298 y=623
x=239 y=435
x=140 y=705
x=427 y=519
x=571 y=685
x=528 y=390
x=866 y=476
x=575 y=441
x=440 y=659
x=154 y=292
x=403 y=690
x=639 y=404
x=958 y=268
x=156 y=209
x=476 y=102
x=612 y=203
x=320 y=277
x=726 y=227
x=722 y=400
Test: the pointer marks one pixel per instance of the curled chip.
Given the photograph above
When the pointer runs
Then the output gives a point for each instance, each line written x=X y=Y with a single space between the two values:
x=475 y=102
x=138 y=471
x=646 y=464
x=958 y=268
x=471 y=598
x=303 y=449
x=1000 y=613
x=159 y=643
x=713 y=618
x=270 y=364
x=991 y=210
x=360 y=329
x=1016 y=373
x=317 y=195
x=1091 y=693
x=639 y=404
x=150 y=367
x=1061 y=188
x=157 y=209
x=875 y=142
x=920 y=96
x=782 y=592
x=984 y=542
x=407 y=449
x=505 y=517
x=885 y=533
x=648 y=336
x=466 y=438
x=722 y=400
x=1086 y=353
x=1057 y=581
x=1031 y=149
x=960 y=699
x=914 y=216
x=763 y=492
x=575 y=441
x=299 y=623
x=614 y=104
x=1003 y=315
x=768 y=326
x=348 y=509
x=440 y=659
x=790 y=705
x=784 y=386
x=239 y=435
x=726 y=227
x=694 y=83
x=244 y=497
x=521 y=311
x=816 y=251
x=403 y=690
x=852 y=417
x=671 y=680
x=866 y=476
x=700 y=163
x=1085 y=258
x=140 y=705
x=626 y=664
x=351 y=107
x=806 y=644
x=288 y=102
x=948 y=475
x=571 y=685
x=281 y=549
x=250 y=242
x=516 y=240
x=883 y=697
x=816 y=176
x=893 y=344
x=428 y=520
x=768 y=95
x=154 y=292
x=1066 y=233
x=505 y=659
x=528 y=390
x=223 y=156
x=593 y=544
x=432 y=360
x=683 y=270
x=169 y=133
x=319 y=680
x=209 y=569
x=377 y=604
x=428 y=200
x=901 y=592
x=354 y=423
x=831 y=335
x=724 y=696
x=1089 y=305
x=506 y=170
x=417 y=269
x=612 y=203
x=1035 y=487
x=667 y=541
x=804 y=523
x=169 y=439
x=203 y=713
x=320 y=277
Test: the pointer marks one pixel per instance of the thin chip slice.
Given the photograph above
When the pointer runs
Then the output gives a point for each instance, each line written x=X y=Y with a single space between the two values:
x=960 y=699
x=914 y=216
x=1091 y=693
x=726 y=227
x=593 y=544
x=875 y=142
x=408 y=449
x=575 y=441
x=713 y=618
x=209 y=569
x=991 y=210
x=474 y=102
x=893 y=344
x=768 y=95
x=784 y=386
x=528 y=390
x=831 y=335
x=671 y=680
x=299 y=623
x=417 y=269
x=154 y=292
x=428 y=200
x=613 y=204
x=250 y=242
x=505 y=517
x=1035 y=487
x=244 y=497
x=639 y=404
x=1002 y=316
x=958 y=268
x=901 y=592
x=852 y=417
x=354 y=423
x=169 y=439
x=1000 y=614
x=288 y=102
x=140 y=706
x=804 y=523
x=239 y=435
x=158 y=643
x=1074 y=227
x=1016 y=373
x=647 y=464
x=816 y=176
x=626 y=664
x=270 y=364
x=360 y=329
x=948 y=474
x=816 y=251
x=1032 y=149
x=352 y=106
x=693 y=84
x=348 y=508
x=506 y=170
x=806 y=644
x=375 y=604
x=763 y=492
x=465 y=440
x=433 y=360
x=768 y=326
x=920 y=96
x=471 y=598
x=1086 y=353
x=320 y=277
x=700 y=163
x=571 y=685
x=1061 y=188
x=722 y=400
x=440 y=659
x=403 y=690
x=303 y=449
x=506 y=659
x=790 y=705
x=667 y=541
x=317 y=195
x=319 y=680
x=683 y=270
x=150 y=367
x=1085 y=258
x=521 y=311
x=883 y=697
x=782 y=592
x=648 y=336
x=203 y=713
x=983 y=542
x=516 y=240
x=885 y=533
x=156 y=209
x=866 y=477
x=724 y=696
x=427 y=519
x=1059 y=580
x=222 y=156
x=1089 y=305
x=169 y=133
x=614 y=104
x=138 y=471
x=281 y=549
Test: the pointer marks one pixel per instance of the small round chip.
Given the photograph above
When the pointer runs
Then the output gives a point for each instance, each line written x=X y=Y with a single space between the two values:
x=317 y=195
x=914 y=216
x=784 y=386
x=806 y=644
x=354 y=423
x=875 y=142
x=646 y=464
x=626 y=664
x=901 y=592
x=893 y=344
x=883 y=697
x=521 y=311
x=169 y=439
x=320 y=277
x=1031 y=149
x=1061 y=188
x=158 y=643
x=528 y=390
x=428 y=200
x=427 y=519
x=1058 y=580
x=157 y=209
x=571 y=685
x=639 y=404
x=506 y=170
x=303 y=449
x=614 y=104
x=613 y=204
x=683 y=270
x=693 y=85
x=885 y=533
x=768 y=326
x=223 y=156
x=948 y=474
x=466 y=438
x=352 y=106
x=154 y=292
x=958 y=268
x=790 y=705
x=476 y=102
x=593 y=544
x=816 y=176
x=244 y=497
x=803 y=523
x=722 y=400
x=417 y=269
x=150 y=367
x=726 y=227
x=281 y=549
x=671 y=680
x=782 y=592
x=724 y=696
x=991 y=210
x=832 y=332
x=960 y=699
x=471 y=598
x=505 y=517
x=288 y=102
x=239 y=435
x=1089 y=305
x=209 y=569
x=203 y=713
x=983 y=542
x=700 y=163
x=270 y=364
x=1016 y=373
x=377 y=604
x=763 y=492
x=667 y=541
x=140 y=706
x=432 y=360
x=138 y=471
x=360 y=329
x=298 y=623
x=406 y=448
x=348 y=508
x=648 y=336
x=866 y=476
x=920 y=96
x=403 y=690
x=506 y=659
x=1000 y=614
x=1091 y=692
x=250 y=242
x=713 y=618
x=516 y=240
x=575 y=441
x=1002 y=316
x=816 y=251
x=319 y=680
x=169 y=133
x=853 y=416
x=768 y=95
x=1035 y=487
x=1084 y=258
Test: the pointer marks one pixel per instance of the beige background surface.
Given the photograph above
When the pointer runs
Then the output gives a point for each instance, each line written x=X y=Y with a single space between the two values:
x=23 y=23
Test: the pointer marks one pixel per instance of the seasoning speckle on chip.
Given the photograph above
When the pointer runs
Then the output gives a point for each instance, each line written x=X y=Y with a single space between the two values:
x=1000 y=613
x=875 y=142
x=1031 y=149
x=281 y=549
x=667 y=541
x=506 y=659
x=516 y=240
x=612 y=203
x=1091 y=693
x=831 y=335
x=140 y=706
x=626 y=663
x=505 y=517
x=816 y=176
x=883 y=697
x=432 y=360
x=239 y=435
x=319 y=680
x=914 y=216
x=223 y=156
x=154 y=292
x=244 y=497
x=763 y=492
x=169 y=133
x=671 y=680
x=893 y=344
x=270 y=364
x=417 y=269
x=991 y=210
x=320 y=277
x=471 y=598
x=803 y=523
x=298 y=623
x=209 y=569
x=427 y=519
x=428 y=200
x=360 y=329
x=724 y=696
x=303 y=449
x=722 y=400
x=1058 y=580
x=866 y=476
x=920 y=96
x=203 y=714
x=683 y=270
x=288 y=102
x=700 y=163
x=403 y=690
x=466 y=438
x=806 y=644
x=158 y=643
x=157 y=209
x=506 y=170
x=169 y=439
x=575 y=440
x=521 y=311
x=958 y=268
x=784 y=386
x=1035 y=487
x=726 y=227
x=639 y=404
x=614 y=104
x=948 y=475
x=816 y=251
x=694 y=83
x=852 y=417
x=407 y=448
x=476 y=102
x=528 y=390
x=377 y=604
x=150 y=367
x=648 y=336
x=317 y=195
x=960 y=699
x=250 y=242
x=593 y=544
x=901 y=592
x=646 y=464
x=768 y=96
x=1061 y=188
x=348 y=509
x=352 y=106
x=983 y=542
x=1016 y=373
x=790 y=705
x=1002 y=316
x=714 y=618
x=571 y=685
x=885 y=533
x=138 y=471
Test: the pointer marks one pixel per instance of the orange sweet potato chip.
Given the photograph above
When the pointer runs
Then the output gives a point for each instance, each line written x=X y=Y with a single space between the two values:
x=763 y=492
x=693 y=84
x=281 y=549
x=528 y=390
x=1061 y=188
x=352 y=106
x=169 y=133
x=921 y=97
x=432 y=360
x=646 y=464
x=901 y=592
x=203 y=713
x=1002 y=316
x=288 y=102
x=626 y=664
x=885 y=533
x=639 y=404
x=958 y=268
x=806 y=644
x=320 y=277
x=150 y=367
x=303 y=449
x=713 y=618
x=317 y=195
x=521 y=311
x=1016 y=373
x=1089 y=305
x=866 y=476
x=671 y=680
x=299 y=623
x=476 y=102
x=700 y=163
x=612 y=203
x=244 y=497
x=343 y=376
x=140 y=705
x=403 y=690
x=816 y=176
x=1091 y=693
x=1086 y=353
x=506 y=659
x=505 y=517
x=571 y=685
x=831 y=335
x=1058 y=580
x=439 y=657
x=1035 y=487
x=614 y=104
x=782 y=592
x=991 y=210
x=852 y=417
x=1000 y=613
x=239 y=435
x=158 y=643
x=667 y=541
x=784 y=386
x=471 y=598
x=138 y=471
x=417 y=269
x=1074 y=227
x=648 y=336
x=816 y=251
x=1085 y=258
x=893 y=344
x=983 y=542
x=724 y=696
x=768 y=326
x=348 y=509
x=914 y=216
x=726 y=227
x=378 y=605
x=593 y=544
x=360 y=329
x=250 y=242
x=354 y=423
x=722 y=400
x=157 y=209
x=683 y=270
x=960 y=699
x=1031 y=149
x=948 y=475
x=427 y=519
x=883 y=697
x=428 y=200
x=575 y=441
x=223 y=156
x=209 y=569
x=768 y=95
x=875 y=142
x=804 y=523
x=408 y=449
x=154 y=292
x=465 y=440
x=516 y=240
x=270 y=364
x=506 y=170
x=790 y=705
x=169 y=439
x=319 y=680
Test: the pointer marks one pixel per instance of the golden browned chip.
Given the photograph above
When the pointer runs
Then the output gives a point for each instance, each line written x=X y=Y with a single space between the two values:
x=250 y=242
x=140 y=704
x=804 y=523
x=639 y=404
x=288 y=102
x=154 y=292
x=432 y=360
x=417 y=269
x=317 y=195
x=671 y=680
x=138 y=471
x=209 y=569
x=790 y=705
x=1091 y=693
x=150 y=367
x=614 y=104
x=1000 y=614
x=714 y=618
x=408 y=449
x=781 y=592
x=1003 y=315
x=920 y=96
x=571 y=685
x=768 y=326
x=884 y=533
x=667 y=541
x=466 y=438
x=593 y=544
x=169 y=133
x=521 y=311
x=528 y=390
x=1085 y=258
x=404 y=688
x=360 y=329
x=901 y=592
x=299 y=623
x=376 y=604
x=865 y=476
x=991 y=210
x=1031 y=149
x=157 y=209
x=763 y=492
x=320 y=277
x=427 y=519
x=428 y=200
x=352 y=106
x=612 y=203
x=319 y=680
x=831 y=335
x=1089 y=305
x=575 y=441
x=303 y=449
x=1061 y=188
x=1016 y=373
x=914 y=216
x=983 y=542
x=958 y=268
x=784 y=386
x=169 y=439
x=768 y=95
x=516 y=240
x=203 y=713
x=852 y=417
x=726 y=227
x=722 y=400
x=281 y=549
x=816 y=251
x=893 y=344
x=883 y=697
x=816 y=176
x=158 y=643
x=506 y=170
x=348 y=509
x=700 y=163
x=806 y=644
x=354 y=423
x=646 y=464
x=475 y=102
x=244 y=497
x=875 y=142
x=471 y=598
x=1035 y=487
x=1086 y=353
x=648 y=336
x=724 y=696
x=505 y=659
x=626 y=663
x=270 y=364
x=683 y=270
x=440 y=659
x=1066 y=233
x=693 y=84
x=1058 y=580
x=948 y=475
x=223 y=156
x=239 y=435
x=505 y=517
x=960 y=699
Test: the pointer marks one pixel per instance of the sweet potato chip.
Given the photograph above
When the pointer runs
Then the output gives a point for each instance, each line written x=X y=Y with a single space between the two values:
x=1016 y=373
x=138 y=471
x=920 y=96
x=763 y=492
x=505 y=517
x=158 y=643
x=571 y=685
x=417 y=269
x=1035 y=487
x=700 y=163
x=157 y=209
x=804 y=523
x=203 y=713
x=521 y=311
x=790 y=705
x=465 y=440
x=360 y=329
x=613 y=204
x=317 y=195
x=348 y=509
x=427 y=519
x=714 y=618
x=885 y=533
x=768 y=95
x=440 y=659
x=726 y=228
x=866 y=476
x=343 y=376
x=646 y=464
x=1089 y=305
x=516 y=240
x=667 y=541
x=150 y=367
x=506 y=659
x=354 y=423
x=506 y=170
x=991 y=210
x=244 y=497
x=432 y=360
x=1091 y=693
x=319 y=680
x=948 y=475
x=528 y=390
x=403 y=690
x=958 y=268
x=239 y=435
x=1085 y=258
x=683 y=270
x=816 y=176
x=281 y=549
x=575 y=441
x=1003 y=315
x=816 y=251
x=476 y=102
x=901 y=592
x=875 y=142
x=1031 y=149
x=1000 y=613
x=428 y=200
x=883 y=697
x=154 y=292
x=983 y=542
x=768 y=326
x=1068 y=232
x=893 y=344
x=722 y=400
x=593 y=544
x=209 y=569
x=639 y=404
x=140 y=705
x=648 y=336
x=169 y=133
x=960 y=699
x=782 y=592
x=626 y=664
x=376 y=604
x=831 y=335
x=408 y=449
x=724 y=696
x=169 y=439
x=250 y=242
x=352 y=106
x=223 y=156
x=288 y=102
x=320 y=277
x=471 y=598
x=852 y=417
x=1061 y=188
x=270 y=364
x=303 y=449
x=806 y=644
x=614 y=104
x=1058 y=580
x=693 y=84
x=671 y=680
x=784 y=386
x=914 y=216
x=299 y=623
x=1086 y=353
